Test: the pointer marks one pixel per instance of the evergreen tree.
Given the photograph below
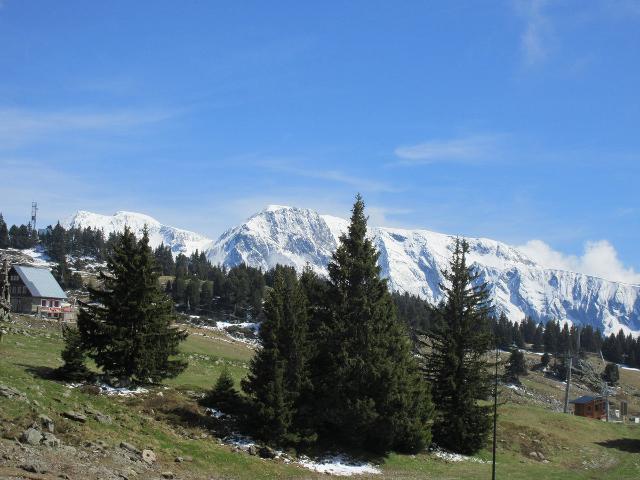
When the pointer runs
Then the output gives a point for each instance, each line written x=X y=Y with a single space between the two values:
x=57 y=249
x=224 y=396
x=551 y=336
x=5 y=242
x=455 y=361
x=206 y=296
x=538 y=338
x=73 y=355
x=611 y=374
x=278 y=374
x=546 y=358
x=128 y=328
x=516 y=366
x=367 y=387
x=564 y=342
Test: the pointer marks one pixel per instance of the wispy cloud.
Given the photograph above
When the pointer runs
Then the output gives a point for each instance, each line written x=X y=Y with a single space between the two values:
x=356 y=181
x=472 y=148
x=18 y=126
x=534 y=40
x=599 y=259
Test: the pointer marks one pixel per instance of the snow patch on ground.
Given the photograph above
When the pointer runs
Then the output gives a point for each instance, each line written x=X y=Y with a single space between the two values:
x=454 y=457
x=512 y=386
x=121 y=391
x=113 y=391
x=214 y=413
x=222 y=327
x=38 y=257
x=339 y=465
x=624 y=367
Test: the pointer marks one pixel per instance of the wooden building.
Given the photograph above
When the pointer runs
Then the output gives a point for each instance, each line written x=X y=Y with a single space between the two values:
x=35 y=290
x=591 y=406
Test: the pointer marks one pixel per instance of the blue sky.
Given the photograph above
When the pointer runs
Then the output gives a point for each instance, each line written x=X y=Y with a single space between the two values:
x=515 y=120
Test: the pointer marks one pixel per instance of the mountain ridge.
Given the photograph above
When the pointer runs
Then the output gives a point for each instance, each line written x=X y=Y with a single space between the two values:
x=412 y=260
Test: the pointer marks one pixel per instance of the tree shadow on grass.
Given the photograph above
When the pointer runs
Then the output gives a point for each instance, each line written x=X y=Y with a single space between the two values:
x=42 y=372
x=57 y=374
x=631 y=445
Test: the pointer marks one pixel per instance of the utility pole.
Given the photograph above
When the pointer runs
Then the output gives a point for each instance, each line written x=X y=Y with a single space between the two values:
x=495 y=415
x=606 y=396
x=569 y=357
x=568 y=386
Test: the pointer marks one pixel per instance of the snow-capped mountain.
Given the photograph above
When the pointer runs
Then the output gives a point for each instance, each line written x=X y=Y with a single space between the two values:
x=412 y=260
x=180 y=241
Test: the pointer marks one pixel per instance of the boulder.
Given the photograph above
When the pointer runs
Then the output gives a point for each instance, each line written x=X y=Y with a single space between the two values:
x=252 y=450
x=267 y=452
x=34 y=467
x=102 y=418
x=75 y=416
x=169 y=475
x=148 y=457
x=50 y=440
x=46 y=423
x=31 y=436
x=10 y=392
x=130 y=448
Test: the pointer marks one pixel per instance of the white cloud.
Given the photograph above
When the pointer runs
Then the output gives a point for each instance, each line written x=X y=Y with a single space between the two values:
x=466 y=149
x=534 y=40
x=357 y=182
x=599 y=259
x=19 y=126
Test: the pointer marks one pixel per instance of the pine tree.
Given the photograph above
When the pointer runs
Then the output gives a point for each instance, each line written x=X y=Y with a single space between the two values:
x=546 y=358
x=224 y=396
x=455 y=361
x=611 y=374
x=516 y=366
x=73 y=355
x=538 y=338
x=368 y=391
x=128 y=328
x=278 y=373
x=57 y=244
x=5 y=242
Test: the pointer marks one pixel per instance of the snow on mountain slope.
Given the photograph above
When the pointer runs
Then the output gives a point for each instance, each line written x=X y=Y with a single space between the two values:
x=286 y=235
x=413 y=260
x=180 y=241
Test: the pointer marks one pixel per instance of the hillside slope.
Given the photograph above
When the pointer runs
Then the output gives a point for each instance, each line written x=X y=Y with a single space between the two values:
x=189 y=444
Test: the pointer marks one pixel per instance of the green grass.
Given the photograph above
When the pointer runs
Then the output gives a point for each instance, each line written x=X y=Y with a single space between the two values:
x=159 y=422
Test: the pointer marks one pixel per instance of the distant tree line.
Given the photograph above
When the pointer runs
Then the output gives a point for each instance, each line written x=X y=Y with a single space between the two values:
x=558 y=340
x=21 y=237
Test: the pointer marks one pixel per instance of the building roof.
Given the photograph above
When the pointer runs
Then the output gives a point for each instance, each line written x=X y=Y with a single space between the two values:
x=40 y=282
x=586 y=399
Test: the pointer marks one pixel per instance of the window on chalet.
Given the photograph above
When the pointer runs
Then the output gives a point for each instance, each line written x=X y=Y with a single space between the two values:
x=43 y=303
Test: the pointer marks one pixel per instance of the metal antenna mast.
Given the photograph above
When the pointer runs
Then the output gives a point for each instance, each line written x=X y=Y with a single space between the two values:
x=34 y=212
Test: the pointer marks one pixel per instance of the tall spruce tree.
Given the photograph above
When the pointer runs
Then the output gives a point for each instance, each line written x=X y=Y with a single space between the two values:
x=128 y=326
x=366 y=380
x=5 y=242
x=73 y=355
x=516 y=366
x=278 y=374
x=454 y=358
